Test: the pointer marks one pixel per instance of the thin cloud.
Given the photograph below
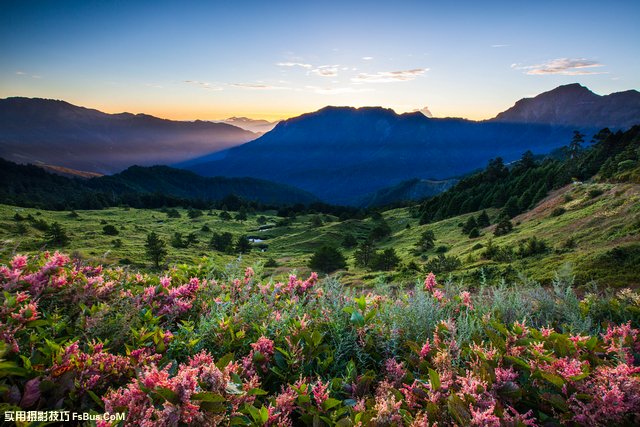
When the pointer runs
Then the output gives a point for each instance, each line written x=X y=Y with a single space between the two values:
x=389 y=76
x=335 y=90
x=257 y=86
x=563 y=67
x=326 y=70
x=293 y=64
x=20 y=73
x=367 y=58
x=204 y=85
x=497 y=46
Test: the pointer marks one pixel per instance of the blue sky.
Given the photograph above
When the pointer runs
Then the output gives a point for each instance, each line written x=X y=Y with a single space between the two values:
x=275 y=59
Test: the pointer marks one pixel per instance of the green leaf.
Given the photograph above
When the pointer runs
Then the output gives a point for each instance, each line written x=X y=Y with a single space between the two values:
x=330 y=403
x=552 y=378
x=434 y=377
x=257 y=392
x=167 y=394
x=458 y=410
x=95 y=398
x=357 y=318
x=264 y=414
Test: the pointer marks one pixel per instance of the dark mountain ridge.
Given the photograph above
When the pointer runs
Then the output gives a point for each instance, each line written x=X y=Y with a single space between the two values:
x=576 y=105
x=35 y=130
x=32 y=186
x=342 y=153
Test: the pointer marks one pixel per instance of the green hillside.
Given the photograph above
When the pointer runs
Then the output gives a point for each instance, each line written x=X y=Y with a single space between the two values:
x=593 y=227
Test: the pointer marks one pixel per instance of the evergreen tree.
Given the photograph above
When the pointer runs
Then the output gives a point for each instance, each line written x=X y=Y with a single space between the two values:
x=511 y=208
x=427 y=241
x=56 y=235
x=243 y=245
x=222 y=242
x=483 y=219
x=327 y=259
x=364 y=253
x=385 y=260
x=503 y=227
x=469 y=225
x=155 y=248
x=573 y=150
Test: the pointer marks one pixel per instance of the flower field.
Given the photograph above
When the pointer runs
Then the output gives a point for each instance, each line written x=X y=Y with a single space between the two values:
x=194 y=348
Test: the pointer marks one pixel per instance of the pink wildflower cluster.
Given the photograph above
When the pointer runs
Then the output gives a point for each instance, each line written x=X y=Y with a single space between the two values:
x=16 y=312
x=158 y=399
x=259 y=357
x=167 y=300
x=622 y=339
x=300 y=287
x=96 y=369
x=614 y=393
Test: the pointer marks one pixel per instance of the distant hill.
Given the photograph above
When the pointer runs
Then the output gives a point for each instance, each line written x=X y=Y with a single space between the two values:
x=412 y=189
x=257 y=126
x=344 y=153
x=575 y=105
x=32 y=186
x=34 y=130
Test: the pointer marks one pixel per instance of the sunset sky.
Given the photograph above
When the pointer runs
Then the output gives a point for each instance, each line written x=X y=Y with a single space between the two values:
x=275 y=59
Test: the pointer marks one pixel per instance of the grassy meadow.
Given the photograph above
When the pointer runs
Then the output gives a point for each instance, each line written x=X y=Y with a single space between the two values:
x=594 y=228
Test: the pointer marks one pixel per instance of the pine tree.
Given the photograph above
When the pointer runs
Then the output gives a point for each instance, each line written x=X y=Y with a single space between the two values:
x=483 y=220
x=243 y=245
x=156 y=248
x=327 y=259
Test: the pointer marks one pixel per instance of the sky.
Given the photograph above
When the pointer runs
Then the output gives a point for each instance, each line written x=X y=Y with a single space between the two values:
x=209 y=60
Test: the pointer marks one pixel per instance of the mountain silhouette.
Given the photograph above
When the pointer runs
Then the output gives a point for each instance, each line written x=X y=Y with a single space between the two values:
x=34 y=130
x=575 y=105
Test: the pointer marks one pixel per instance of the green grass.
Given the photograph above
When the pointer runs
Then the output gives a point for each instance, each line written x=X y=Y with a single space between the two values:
x=598 y=225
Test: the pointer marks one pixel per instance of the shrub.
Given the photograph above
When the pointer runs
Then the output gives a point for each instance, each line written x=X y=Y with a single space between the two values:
x=327 y=259
x=110 y=230
x=503 y=227
x=558 y=211
x=155 y=248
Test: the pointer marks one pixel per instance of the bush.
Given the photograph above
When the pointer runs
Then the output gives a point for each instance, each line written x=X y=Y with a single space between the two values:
x=327 y=259
x=56 y=235
x=558 y=211
x=595 y=192
x=503 y=227
x=385 y=260
x=173 y=213
x=110 y=230
x=271 y=263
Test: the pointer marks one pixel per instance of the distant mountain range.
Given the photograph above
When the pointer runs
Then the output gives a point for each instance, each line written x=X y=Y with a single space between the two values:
x=575 y=105
x=34 y=130
x=256 y=126
x=28 y=185
x=343 y=154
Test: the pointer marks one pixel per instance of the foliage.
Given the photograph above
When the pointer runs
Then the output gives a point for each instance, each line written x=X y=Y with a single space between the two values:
x=233 y=350
x=327 y=259
x=155 y=248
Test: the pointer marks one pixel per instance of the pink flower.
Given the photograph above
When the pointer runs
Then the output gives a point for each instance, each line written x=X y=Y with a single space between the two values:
x=424 y=352
x=320 y=393
x=465 y=296
x=395 y=371
x=430 y=282
x=19 y=262
x=484 y=418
